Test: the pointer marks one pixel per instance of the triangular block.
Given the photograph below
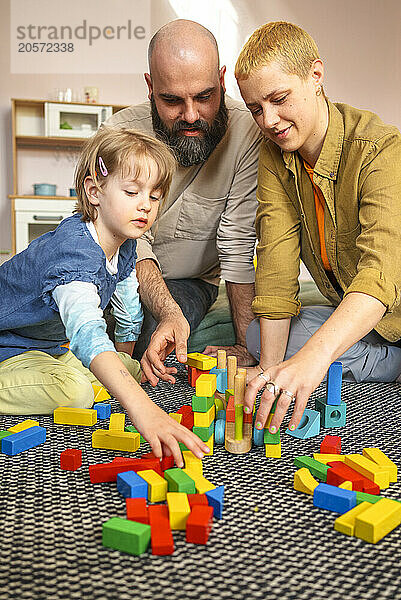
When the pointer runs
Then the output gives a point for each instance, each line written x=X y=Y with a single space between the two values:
x=215 y=498
x=309 y=425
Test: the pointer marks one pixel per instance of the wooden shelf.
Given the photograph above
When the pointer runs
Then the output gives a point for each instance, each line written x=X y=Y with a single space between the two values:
x=42 y=141
x=30 y=102
x=34 y=197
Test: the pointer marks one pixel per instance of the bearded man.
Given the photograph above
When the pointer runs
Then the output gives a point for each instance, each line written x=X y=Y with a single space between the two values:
x=205 y=229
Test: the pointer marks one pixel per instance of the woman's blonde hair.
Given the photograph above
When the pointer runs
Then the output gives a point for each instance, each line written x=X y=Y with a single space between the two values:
x=285 y=43
x=125 y=152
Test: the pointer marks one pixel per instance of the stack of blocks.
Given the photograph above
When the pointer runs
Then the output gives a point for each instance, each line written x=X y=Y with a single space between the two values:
x=350 y=484
x=23 y=436
x=272 y=441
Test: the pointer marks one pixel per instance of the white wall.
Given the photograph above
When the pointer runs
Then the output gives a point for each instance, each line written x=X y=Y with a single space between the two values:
x=358 y=39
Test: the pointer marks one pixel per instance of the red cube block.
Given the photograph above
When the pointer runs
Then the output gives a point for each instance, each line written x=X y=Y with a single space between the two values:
x=187 y=416
x=197 y=499
x=167 y=462
x=71 y=459
x=137 y=510
x=199 y=524
x=331 y=445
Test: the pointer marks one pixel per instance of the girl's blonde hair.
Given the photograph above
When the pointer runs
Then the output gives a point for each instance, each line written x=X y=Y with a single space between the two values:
x=125 y=152
x=285 y=43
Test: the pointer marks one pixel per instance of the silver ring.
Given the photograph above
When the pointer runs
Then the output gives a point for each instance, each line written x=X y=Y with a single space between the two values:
x=289 y=394
x=272 y=388
x=263 y=377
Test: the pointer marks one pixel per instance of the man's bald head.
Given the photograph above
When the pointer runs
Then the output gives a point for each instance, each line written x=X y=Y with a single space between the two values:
x=182 y=41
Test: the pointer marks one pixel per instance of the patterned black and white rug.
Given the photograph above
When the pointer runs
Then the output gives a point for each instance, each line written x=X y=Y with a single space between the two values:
x=271 y=543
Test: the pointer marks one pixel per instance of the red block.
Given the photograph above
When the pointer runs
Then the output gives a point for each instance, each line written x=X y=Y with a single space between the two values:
x=370 y=487
x=160 y=532
x=71 y=459
x=105 y=472
x=331 y=445
x=199 y=524
x=148 y=455
x=187 y=416
x=167 y=462
x=137 y=510
x=193 y=374
x=230 y=411
x=248 y=417
x=340 y=472
x=197 y=499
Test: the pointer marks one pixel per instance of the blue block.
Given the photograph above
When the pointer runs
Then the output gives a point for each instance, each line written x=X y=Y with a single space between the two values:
x=221 y=379
x=220 y=431
x=103 y=410
x=23 y=440
x=331 y=416
x=333 y=384
x=309 y=425
x=221 y=415
x=258 y=436
x=333 y=498
x=131 y=485
x=215 y=498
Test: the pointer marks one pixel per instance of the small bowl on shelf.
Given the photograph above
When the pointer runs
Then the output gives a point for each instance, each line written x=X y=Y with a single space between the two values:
x=73 y=192
x=44 y=189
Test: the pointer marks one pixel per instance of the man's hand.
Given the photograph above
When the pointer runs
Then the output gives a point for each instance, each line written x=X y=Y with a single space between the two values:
x=244 y=359
x=169 y=334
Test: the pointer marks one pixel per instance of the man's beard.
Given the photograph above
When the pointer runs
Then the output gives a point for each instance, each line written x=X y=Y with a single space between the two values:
x=191 y=150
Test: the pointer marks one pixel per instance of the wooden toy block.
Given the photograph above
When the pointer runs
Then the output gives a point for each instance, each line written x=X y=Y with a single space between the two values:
x=179 y=510
x=231 y=371
x=23 y=440
x=210 y=445
x=258 y=436
x=221 y=379
x=234 y=441
x=308 y=427
x=341 y=472
x=157 y=485
x=333 y=498
x=331 y=416
x=161 y=534
x=71 y=459
x=197 y=499
x=248 y=418
x=378 y=520
x=4 y=434
x=346 y=485
x=23 y=425
x=363 y=497
x=117 y=422
x=182 y=447
x=304 y=481
x=193 y=375
x=205 y=419
x=383 y=461
x=202 y=485
x=167 y=462
x=238 y=446
x=331 y=444
x=215 y=499
x=192 y=462
x=230 y=411
x=100 y=393
x=369 y=469
x=201 y=361
x=333 y=384
x=157 y=468
x=187 y=416
x=67 y=415
x=273 y=450
x=204 y=433
x=137 y=510
x=218 y=403
x=239 y=422
x=270 y=438
x=131 y=485
x=179 y=481
x=326 y=458
x=202 y=404
x=107 y=472
x=133 y=429
x=317 y=469
x=346 y=522
x=123 y=441
x=103 y=410
x=199 y=524
x=205 y=385
x=220 y=431
x=221 y=359
x=176 y=416
x=126 y=536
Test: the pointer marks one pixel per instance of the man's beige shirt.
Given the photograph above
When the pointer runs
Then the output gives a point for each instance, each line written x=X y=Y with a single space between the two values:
x=206 y=228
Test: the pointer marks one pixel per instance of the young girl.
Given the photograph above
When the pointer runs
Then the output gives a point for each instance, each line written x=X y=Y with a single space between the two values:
x=329 y=190
x=54 y=292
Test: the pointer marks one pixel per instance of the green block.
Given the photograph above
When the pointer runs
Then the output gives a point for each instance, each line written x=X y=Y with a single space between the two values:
x=273 y=408
x=316 y=468
x=202 y=403
x=228 y=394
x=239 y=422
x=126 y=536
x=271 y=438
x=204 y=433
x=218 y=404
x=178 y=481
x=4 y=434
x=183 y=447
x=362 y=497
x=133 y=429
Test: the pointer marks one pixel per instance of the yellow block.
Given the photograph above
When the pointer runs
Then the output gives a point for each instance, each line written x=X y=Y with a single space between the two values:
x=100 y=393
x=326 y=458
x=117 y=422
x=346 y=522
x=368 y=468
x=157 y=485
x=204 y=419
x=378 y=520
x=202 y=485
x=206 y=385
x=192 y=462
x=273 y=450
x=210 y=444
x=67 y=415
x=201 y=361
x=125 y=441
x=23 y=425
x=346 y=485
x=269 y=420
x=383 y=461
x=304 y=481
x=176 y=416
x=178 y=508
